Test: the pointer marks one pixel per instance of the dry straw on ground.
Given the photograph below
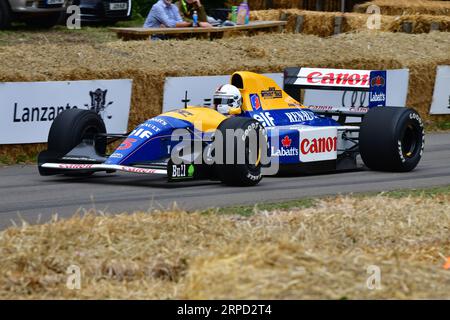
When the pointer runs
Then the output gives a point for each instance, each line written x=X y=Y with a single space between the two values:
x=323 y=23
x=407 y=7
x=319 y=252
x=149 y=63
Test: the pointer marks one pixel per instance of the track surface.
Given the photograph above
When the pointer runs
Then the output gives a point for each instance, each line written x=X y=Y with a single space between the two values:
x=25 y=194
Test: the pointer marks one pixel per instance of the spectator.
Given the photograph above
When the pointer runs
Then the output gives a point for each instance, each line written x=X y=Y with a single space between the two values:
x=187 y=8
x=165 y=14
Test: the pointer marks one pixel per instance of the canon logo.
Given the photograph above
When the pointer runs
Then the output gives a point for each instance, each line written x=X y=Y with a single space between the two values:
x=137 y=170
x=351 y=79
x=75 y=166
x=318 y=145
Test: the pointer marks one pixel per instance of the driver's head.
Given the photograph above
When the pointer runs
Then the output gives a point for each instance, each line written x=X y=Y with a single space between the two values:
x=226 y=97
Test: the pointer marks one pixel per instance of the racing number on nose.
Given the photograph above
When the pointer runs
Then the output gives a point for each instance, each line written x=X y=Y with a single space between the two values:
x=126 y=144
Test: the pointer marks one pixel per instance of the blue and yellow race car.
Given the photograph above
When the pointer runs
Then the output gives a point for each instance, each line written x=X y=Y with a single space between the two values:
x=254 y=129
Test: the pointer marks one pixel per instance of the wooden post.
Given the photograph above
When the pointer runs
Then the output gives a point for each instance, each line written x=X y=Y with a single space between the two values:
x=338 y=24
x=283 y=17
x=299 y=24
x=407 y=27
x=342 y=6
x=435 y=26
x=268 y=4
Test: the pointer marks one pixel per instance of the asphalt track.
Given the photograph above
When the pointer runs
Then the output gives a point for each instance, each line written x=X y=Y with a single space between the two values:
x=26 y=195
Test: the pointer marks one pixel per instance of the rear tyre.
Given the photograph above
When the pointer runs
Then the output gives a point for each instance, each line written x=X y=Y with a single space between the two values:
x=391 y=139
x=246 y=145
x=5 y=14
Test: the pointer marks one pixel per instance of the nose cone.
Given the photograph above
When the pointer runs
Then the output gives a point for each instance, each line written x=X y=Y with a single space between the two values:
x=145 y=143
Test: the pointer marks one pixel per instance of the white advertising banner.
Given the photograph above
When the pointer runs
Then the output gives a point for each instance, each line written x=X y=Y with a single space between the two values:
x=29 y=108
x=197 y=91
x=396 y=94
x=441 y=95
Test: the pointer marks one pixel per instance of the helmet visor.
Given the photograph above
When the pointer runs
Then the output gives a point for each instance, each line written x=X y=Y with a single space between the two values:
x=223 y=101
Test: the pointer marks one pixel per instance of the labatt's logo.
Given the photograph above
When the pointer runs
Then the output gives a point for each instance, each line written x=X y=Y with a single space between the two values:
x=318 y=145
x=286 y=150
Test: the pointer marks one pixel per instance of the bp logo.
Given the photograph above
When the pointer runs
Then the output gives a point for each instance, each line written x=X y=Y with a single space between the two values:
x=98 y=103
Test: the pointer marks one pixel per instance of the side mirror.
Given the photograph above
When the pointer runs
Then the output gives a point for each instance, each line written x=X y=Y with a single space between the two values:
x=235 y=111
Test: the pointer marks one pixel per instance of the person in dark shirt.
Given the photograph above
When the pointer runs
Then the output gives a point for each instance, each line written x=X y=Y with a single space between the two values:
x=187 y=8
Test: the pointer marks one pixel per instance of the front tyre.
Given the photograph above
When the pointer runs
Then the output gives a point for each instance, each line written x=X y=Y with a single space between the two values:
x=391 y=139
x=68 y=130
x=242 y=143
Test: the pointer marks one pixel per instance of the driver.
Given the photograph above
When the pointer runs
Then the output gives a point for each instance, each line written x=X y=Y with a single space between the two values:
x=227 y=97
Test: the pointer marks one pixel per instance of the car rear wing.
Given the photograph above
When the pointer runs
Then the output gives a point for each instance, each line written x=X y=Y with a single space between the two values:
x=372 y=81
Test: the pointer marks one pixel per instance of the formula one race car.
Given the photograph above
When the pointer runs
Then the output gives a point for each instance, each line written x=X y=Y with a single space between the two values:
x=271 y=133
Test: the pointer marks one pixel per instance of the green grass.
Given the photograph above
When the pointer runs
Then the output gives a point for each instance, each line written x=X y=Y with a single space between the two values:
x=249 y=210
x=309 y=202
x=443 y=125
x=21 y=34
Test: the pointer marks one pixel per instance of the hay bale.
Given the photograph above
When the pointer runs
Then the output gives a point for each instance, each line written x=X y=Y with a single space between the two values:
x=420 y=23
x=407 y=7
x=268 y=15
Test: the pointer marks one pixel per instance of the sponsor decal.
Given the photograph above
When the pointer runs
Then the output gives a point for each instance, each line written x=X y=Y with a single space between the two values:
x=32 y=114
x=377 y=94
x=126 y=144
x=415 y=116
x=286 y=142
x=272 y=93
x=137 y=170
x=141 y=133
x=151 y=126
x=254 y=177
x=318 y=145
x=254 y=101
x=377 y=81
x=333 y=77
x=184 y=113
x=265 y=119
x=98 y=102
x=49 y=113
x=116 y=155
x=79 y=158
x=181 y=171
x=75 y=166
x=377 y=97
x=286 y=150
x=300 y=116
x=159 y=120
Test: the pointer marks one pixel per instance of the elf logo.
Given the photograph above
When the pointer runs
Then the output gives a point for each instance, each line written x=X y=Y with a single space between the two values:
x=318 y=145
x=265 y=119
